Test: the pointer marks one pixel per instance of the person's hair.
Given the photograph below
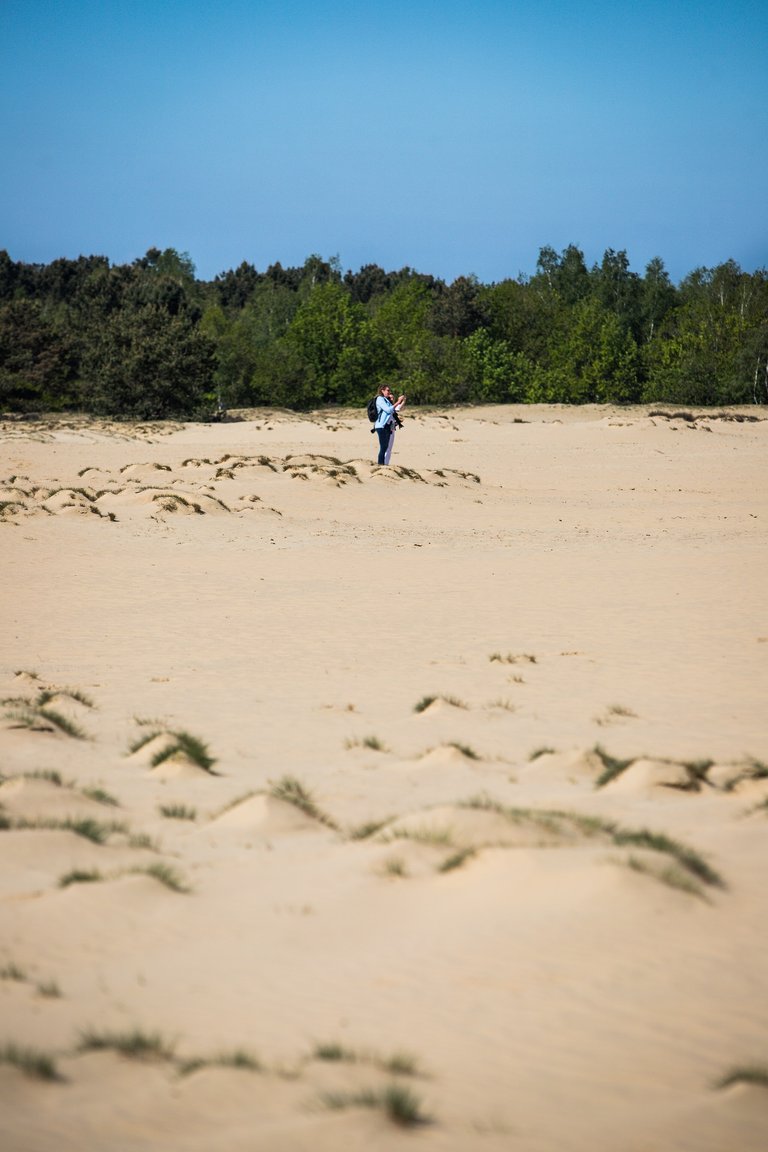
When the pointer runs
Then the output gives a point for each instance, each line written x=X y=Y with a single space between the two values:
x=382 y=388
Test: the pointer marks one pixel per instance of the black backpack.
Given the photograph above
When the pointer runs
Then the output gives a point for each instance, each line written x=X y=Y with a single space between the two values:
x=372 y=410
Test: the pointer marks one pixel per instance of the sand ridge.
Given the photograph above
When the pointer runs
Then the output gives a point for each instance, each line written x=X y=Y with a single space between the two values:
x=345 y=806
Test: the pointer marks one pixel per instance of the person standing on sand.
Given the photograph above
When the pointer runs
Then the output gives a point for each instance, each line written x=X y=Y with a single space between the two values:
x=386 y=421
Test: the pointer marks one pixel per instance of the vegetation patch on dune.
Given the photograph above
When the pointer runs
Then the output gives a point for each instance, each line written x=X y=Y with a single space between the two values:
x=292 y=791
x=31 y=1061
x=135 y=1044
x=397 y=1102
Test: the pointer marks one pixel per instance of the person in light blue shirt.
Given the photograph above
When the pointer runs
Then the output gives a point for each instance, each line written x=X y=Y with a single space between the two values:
x=387 y=408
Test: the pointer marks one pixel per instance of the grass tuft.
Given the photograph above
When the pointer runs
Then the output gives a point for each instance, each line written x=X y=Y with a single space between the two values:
x=398 y=1103
x=512 y=658
x=426 y=701
x=334 y=1052
x=164 y=874
x=612 y=767
x=101 y=797
x=745 y=1074
x=544 y=750
x=48 y=988
x=191 y=747
x=136 y=1045
x=292 y=791
x=367 y=829
x=177 y=812
x=238 y=1058
x=457 y=859
x=371 y=742
x=79 y=876
x=12 y=972
x=35 y=1064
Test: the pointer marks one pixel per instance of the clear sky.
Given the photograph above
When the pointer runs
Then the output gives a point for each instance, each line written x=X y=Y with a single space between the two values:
x=453 y=136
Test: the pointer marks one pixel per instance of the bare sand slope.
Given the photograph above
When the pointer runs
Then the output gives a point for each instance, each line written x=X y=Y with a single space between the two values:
x=369 y=808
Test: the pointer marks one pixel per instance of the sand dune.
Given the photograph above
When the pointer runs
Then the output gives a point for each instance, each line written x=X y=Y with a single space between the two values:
x=344 y=806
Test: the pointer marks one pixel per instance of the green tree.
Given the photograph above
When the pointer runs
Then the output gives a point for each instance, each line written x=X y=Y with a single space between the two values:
x=148 y=364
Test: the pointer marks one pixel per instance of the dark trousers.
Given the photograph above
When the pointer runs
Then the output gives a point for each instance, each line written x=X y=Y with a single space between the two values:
x=384 y=435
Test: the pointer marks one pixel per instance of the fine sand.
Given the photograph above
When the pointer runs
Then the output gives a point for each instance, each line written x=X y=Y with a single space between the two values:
x=368 y=809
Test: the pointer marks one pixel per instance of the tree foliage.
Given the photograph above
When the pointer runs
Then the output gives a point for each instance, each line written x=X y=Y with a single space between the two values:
x=149 y=340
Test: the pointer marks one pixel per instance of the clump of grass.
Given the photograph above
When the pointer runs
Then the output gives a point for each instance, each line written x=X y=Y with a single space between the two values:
x=400 y=1064
x=145 y=737
x=98 y=832
x=686 y=857
x=80 y=876
x=394 y=866
x=48 y=988
x=184 y=744
x=179 y=742
x=292 y=791
x=426 y=701
x=36 y=714
x=367 y=829
x=674 y=876
x=612 y=766
x=745 y=1074
x=457 y=859
x=178 y=812
x=513 y=658
x=398 y=1103
x=38 y=718
x=464 y=749
x=505 y=705
x=434 y=837
x=544 y=750
x=50 y=775
x=241 y=799
x=101 y=796
x=559 y=823
x=164 y=874
x=334 y=1052
x=238 y=1058
x=12 y=972
x=371 y=742
x=143 y=840
x=136 y=1044
x=35 y=1064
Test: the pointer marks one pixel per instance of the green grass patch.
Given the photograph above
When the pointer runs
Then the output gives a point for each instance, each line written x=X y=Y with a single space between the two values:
x=165 y=875
x=426 y=701
x=398 y=1103
x=512 y=658
x=135 y=1044
x=291 y=791
x=100 y=796
x=80 y=876
x=49 y=989
x=33 y=1063
x=184 y=744
x=367 y=829
x=745 y=1074
x=371 y=742
x=544 y=750
x=12 y=972
x=612 y=766
x=457 y=859
x=177 y=812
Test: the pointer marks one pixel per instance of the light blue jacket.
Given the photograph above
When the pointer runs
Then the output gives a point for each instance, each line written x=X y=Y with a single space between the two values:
x=386 y=412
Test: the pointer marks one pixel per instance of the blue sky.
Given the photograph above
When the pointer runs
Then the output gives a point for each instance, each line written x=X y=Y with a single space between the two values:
x=454 y=137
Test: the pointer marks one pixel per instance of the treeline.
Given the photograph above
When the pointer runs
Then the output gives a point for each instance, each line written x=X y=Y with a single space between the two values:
x=149 y=340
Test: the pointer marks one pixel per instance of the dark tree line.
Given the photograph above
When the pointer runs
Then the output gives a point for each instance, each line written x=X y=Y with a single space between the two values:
x=149 y=340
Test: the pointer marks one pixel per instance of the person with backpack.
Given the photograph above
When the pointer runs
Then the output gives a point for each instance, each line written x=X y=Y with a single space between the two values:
x=387 y=420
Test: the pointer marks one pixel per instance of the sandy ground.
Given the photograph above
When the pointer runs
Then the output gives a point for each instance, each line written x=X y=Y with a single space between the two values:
x=483 y=840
